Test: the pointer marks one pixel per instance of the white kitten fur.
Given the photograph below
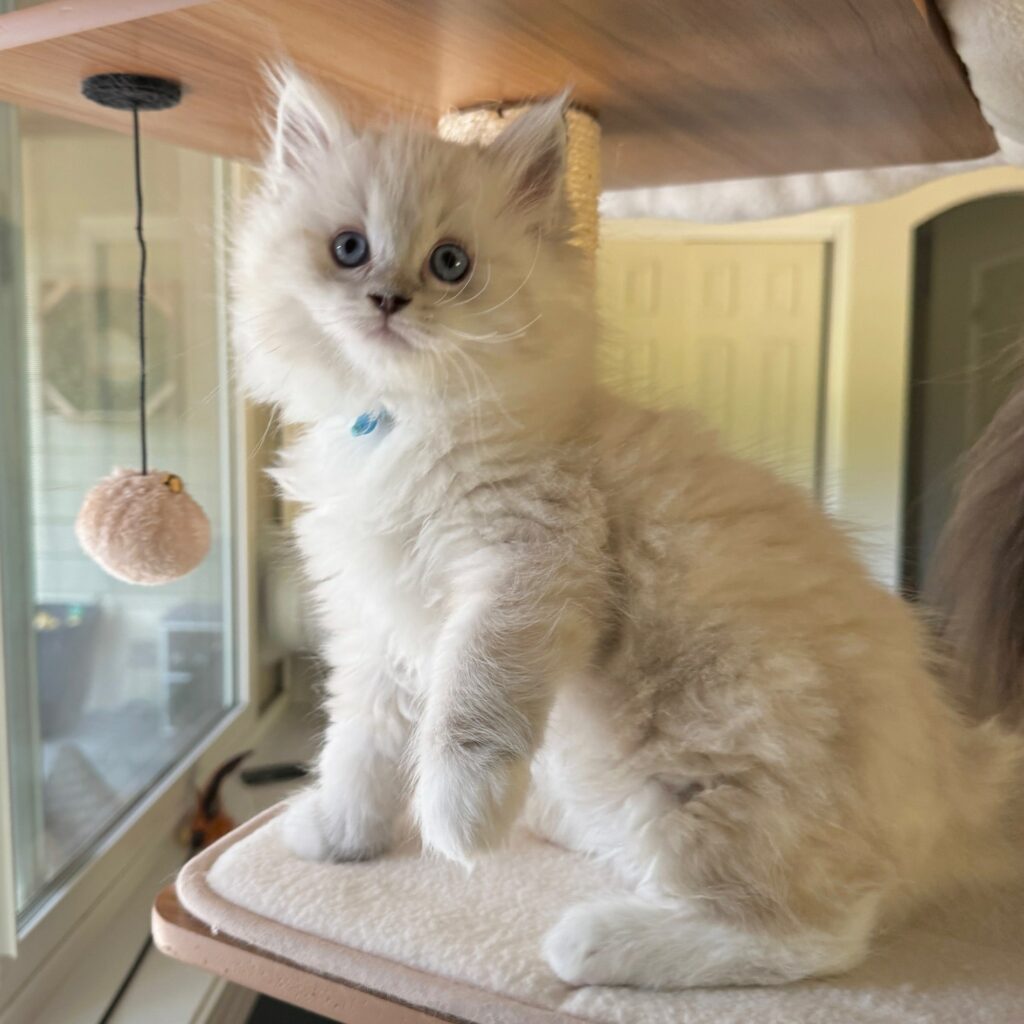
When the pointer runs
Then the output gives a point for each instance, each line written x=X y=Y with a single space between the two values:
x=538 y=600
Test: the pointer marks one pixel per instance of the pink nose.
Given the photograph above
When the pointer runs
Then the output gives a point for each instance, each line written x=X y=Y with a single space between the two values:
x=389 y=304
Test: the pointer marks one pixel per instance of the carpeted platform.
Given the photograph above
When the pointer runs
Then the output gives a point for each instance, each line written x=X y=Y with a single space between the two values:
x=467 y=947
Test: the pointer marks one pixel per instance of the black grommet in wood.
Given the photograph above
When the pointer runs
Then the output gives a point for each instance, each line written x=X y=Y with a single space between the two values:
x=124 y=91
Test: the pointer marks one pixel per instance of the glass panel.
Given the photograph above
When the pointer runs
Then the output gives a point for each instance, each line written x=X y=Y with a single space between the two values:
x=109 y=684
x=965 y=356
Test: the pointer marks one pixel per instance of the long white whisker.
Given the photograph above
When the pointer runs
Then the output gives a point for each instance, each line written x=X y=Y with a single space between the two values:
x=467 y=336
x=448 y=300
x=480 y=376
x=522 y=284
x=472 y=399
x=477 y=294
x=495 y=336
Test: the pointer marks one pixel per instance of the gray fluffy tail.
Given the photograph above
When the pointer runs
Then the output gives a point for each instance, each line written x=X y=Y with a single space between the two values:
x=977 y=584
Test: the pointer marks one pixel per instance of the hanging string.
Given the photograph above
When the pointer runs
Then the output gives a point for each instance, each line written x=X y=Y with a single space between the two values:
x=121 y=91
x=142 y=287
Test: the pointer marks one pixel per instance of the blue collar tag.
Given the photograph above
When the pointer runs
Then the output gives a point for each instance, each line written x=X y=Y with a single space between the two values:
x=367 y=422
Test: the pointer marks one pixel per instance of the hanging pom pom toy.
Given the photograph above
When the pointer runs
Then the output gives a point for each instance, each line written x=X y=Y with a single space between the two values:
x=143 y=527
x=140 y=525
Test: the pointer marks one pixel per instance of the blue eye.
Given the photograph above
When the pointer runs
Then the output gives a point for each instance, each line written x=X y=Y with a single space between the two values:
x=449 y=262
x=350 y=249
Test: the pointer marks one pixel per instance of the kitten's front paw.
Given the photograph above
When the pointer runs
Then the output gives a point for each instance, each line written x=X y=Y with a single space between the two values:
x=467 y=798
x=318 y=830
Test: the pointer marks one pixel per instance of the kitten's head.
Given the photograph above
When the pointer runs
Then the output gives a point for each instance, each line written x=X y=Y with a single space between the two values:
x=389 y=263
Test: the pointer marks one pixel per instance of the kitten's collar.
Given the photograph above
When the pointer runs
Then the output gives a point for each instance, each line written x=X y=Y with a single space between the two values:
x=377 y=420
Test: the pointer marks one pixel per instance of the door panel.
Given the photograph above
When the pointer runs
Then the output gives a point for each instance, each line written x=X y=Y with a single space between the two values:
x=733 y=330
x=968 y=312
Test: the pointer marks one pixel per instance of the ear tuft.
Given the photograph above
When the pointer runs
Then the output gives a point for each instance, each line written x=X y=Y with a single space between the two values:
x=305 y=122
x=532 y=147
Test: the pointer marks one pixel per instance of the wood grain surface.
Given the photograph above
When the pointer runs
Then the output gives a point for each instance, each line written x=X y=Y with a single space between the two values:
x=686 y=90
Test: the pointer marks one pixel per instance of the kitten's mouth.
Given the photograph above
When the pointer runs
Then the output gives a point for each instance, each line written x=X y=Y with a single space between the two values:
x=384 y=332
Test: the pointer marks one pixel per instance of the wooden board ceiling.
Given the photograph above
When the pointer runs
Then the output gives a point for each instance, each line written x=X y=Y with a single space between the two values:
x=686 y=90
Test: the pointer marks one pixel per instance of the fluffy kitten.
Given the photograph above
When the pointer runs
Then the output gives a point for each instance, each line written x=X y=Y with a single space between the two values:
x=540 y=601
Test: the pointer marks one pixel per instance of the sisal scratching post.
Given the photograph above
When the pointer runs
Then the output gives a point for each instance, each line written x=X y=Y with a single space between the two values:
x=583 y=156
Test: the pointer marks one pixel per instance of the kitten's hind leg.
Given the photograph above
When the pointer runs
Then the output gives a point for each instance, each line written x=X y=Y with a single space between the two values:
x=734 y=884
x=679 y=943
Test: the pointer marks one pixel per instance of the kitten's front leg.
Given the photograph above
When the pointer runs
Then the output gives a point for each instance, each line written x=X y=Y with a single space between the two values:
x=513 y=632
x=349 y=813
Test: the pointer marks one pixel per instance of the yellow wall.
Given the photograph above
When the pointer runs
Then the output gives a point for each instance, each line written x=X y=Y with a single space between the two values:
x=871 y=356
x=868 y=340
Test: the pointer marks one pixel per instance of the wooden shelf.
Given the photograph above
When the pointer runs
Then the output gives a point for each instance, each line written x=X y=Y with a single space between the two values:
x=179 y=935
x=686 y=90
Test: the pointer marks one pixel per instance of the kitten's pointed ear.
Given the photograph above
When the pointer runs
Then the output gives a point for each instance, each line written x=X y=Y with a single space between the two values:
x=532 y=150
x=305 y=121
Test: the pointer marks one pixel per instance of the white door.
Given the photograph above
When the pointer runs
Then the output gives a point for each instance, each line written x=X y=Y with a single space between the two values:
x=733 y=330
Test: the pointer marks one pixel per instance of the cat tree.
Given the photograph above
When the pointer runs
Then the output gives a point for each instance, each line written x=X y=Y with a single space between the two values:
x=583 y=156
x=687 y=93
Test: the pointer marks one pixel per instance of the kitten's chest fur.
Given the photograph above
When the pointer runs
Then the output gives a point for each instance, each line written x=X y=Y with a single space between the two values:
x=385 y=520
x=368 y=505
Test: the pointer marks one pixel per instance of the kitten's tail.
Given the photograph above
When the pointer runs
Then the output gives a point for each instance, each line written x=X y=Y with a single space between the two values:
x=977 y=584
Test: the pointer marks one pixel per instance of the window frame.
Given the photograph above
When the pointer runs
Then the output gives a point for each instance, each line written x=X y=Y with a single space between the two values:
x=8 y=914
x=12 y=566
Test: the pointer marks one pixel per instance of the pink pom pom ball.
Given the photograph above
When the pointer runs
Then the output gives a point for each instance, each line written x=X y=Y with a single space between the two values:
x=143 y=528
